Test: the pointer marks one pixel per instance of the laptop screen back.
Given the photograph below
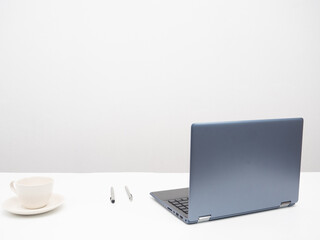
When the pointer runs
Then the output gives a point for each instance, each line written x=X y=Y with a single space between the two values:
x=245 y=166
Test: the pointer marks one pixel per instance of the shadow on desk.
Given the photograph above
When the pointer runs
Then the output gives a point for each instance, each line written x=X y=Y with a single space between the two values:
x=41 y=215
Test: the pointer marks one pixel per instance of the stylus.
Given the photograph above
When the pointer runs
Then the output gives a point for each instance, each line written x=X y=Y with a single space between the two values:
x=112 y=198
x=128 y=193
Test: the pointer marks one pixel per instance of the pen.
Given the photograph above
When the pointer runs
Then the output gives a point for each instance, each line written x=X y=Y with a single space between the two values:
x=112 y=199
x=129 y=194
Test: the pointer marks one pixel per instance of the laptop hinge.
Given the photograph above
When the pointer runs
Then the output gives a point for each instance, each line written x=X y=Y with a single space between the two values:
x=204 y=218
x=285 y=204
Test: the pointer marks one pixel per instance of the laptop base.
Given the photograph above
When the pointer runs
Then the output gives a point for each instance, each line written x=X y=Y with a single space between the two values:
x=163 y=197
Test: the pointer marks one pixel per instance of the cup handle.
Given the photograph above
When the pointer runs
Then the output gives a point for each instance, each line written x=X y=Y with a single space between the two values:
x=12 y=187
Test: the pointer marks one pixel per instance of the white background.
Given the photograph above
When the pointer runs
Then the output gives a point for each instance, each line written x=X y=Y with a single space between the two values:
x=100 y=85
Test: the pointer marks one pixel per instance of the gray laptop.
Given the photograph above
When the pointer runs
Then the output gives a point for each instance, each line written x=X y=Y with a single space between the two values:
x=238 y=168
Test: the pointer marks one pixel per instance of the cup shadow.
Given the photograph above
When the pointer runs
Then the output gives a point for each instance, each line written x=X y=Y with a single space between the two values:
x=40 y=215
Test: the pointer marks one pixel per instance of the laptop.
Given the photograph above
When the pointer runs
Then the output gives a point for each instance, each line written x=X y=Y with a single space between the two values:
x=238 y=168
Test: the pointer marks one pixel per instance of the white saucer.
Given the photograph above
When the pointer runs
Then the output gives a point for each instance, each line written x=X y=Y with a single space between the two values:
x=13 y=205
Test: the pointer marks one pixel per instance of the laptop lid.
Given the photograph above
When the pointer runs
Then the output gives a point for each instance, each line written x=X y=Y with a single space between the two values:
x=242 y=167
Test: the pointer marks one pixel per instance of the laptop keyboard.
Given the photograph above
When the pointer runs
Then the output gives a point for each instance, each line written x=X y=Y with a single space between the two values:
x=181 y=203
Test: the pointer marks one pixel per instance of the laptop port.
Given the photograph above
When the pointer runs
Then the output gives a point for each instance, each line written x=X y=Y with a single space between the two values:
x=177 y=214
x=169 y=209
x=181 y=217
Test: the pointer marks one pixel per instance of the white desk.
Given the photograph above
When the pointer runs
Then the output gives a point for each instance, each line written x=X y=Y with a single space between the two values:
x=88 y=214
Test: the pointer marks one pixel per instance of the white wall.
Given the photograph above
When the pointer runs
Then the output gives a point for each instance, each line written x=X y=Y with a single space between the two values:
x=100 y=85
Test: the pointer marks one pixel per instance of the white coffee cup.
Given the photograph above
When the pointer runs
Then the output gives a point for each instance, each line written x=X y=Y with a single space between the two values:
x=33 y=192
